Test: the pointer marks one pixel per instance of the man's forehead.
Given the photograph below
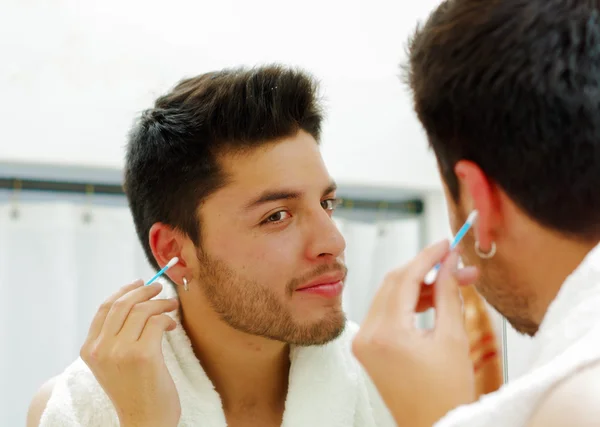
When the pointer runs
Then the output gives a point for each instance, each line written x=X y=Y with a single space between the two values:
x=294 y=165
x=265 y=187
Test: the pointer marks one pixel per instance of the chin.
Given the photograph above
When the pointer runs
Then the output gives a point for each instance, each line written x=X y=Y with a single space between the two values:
x=321 y=330
x=312 y=312
x=320 y=313
x=523 y=325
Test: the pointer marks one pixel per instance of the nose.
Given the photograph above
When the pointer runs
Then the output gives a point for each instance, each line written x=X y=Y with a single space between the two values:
x=324 y=237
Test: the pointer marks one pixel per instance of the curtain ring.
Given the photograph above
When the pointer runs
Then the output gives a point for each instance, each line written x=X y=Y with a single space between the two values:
x=381 y=217
x=87 y=209
x=17 y=186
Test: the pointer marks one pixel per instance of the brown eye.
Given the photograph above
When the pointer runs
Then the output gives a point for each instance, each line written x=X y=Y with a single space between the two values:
x=277 y=217
x=330 y=204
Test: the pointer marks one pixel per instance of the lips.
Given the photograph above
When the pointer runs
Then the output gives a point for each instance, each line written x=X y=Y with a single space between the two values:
x=330 y=285
x=325 y=279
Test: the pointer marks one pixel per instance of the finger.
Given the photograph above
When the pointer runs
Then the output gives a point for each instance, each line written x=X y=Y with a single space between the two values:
x=417 y=268
x=139 y=315
x=426 y=260
x=155 y=327
x=381 y=301
x=447 y=299
x=103 y=310
x=404 y=297
x=467 y=276
x=123 y=305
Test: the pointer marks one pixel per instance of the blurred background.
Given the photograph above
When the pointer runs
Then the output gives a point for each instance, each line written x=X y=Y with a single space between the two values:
x=75 y=74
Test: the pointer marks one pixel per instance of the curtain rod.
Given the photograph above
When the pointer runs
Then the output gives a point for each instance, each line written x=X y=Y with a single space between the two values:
x=413 y=206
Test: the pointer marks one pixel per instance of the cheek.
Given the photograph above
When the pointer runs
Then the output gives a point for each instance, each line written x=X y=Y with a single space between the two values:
x=267 y=251
x=279 y=262
x=268 y=260
x=275 y=259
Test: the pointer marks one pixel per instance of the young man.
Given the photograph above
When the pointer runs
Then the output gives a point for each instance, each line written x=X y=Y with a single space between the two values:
x=225 y=173
x=509 y=93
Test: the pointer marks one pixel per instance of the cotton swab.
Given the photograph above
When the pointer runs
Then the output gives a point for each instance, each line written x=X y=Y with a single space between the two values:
x=170 y=264
x=432 y=275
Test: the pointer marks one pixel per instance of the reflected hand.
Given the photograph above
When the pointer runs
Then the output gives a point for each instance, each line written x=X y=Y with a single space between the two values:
x=124 y=351
x=465 y=276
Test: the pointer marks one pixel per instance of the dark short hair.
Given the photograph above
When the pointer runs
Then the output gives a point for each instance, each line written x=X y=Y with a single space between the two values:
x=514 y=86
x=173 y=149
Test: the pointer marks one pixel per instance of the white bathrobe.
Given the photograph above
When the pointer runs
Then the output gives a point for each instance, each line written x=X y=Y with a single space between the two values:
x=327 y=388
x=568 y=340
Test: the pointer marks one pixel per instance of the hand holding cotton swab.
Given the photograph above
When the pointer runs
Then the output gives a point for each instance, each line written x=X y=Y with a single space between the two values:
x=170 y=264
x=432 y=275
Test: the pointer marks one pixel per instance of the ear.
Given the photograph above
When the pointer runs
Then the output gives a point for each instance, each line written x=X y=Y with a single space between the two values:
x=167 y=243
x=477 y=191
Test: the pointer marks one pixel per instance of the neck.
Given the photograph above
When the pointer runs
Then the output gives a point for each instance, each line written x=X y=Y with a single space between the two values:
x=546 y=261
x=249 y=372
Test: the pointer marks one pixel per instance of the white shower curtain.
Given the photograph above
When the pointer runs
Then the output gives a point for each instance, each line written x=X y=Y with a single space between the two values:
x=60 y=260
x=372 y=250
x=55 y=269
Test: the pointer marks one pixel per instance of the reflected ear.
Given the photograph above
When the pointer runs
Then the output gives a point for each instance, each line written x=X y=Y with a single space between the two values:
x=477 y=191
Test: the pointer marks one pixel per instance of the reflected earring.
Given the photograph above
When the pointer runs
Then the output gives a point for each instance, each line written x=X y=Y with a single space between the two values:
x=185 y=284
x=484 y=255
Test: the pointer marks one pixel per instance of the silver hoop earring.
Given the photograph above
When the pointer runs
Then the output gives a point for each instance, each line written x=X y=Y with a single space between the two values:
x=185 y=284
x=484 y=255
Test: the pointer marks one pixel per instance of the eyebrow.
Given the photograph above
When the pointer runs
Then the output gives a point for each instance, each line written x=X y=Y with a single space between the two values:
x=283 y=194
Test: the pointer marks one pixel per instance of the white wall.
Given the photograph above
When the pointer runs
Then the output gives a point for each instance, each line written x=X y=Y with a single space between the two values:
x=74 y=74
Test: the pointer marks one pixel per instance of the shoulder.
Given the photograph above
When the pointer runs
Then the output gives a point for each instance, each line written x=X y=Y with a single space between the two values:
x=39 y=402
x=381 y=413
x=72 y=398
x=573 y=401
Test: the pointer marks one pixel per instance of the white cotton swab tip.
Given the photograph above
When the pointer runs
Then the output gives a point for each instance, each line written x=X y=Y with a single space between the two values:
x=170 y=264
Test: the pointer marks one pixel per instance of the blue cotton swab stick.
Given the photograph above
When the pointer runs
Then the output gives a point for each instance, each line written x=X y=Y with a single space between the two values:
x=161 y=272
x=432 y=275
